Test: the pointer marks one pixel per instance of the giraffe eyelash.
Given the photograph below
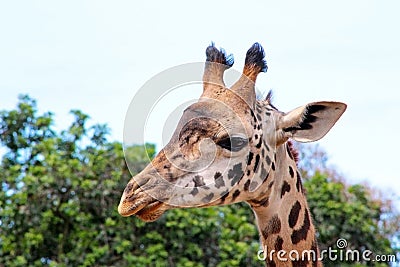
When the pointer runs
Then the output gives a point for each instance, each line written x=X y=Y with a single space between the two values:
x=234 y=143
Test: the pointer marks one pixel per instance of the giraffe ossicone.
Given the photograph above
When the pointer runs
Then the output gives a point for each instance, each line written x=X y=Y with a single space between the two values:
x=230 y=147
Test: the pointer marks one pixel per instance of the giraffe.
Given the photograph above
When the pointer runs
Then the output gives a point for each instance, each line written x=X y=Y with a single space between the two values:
x=229 y=147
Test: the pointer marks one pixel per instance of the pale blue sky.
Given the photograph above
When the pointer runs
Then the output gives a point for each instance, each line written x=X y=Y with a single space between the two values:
x=94 y=55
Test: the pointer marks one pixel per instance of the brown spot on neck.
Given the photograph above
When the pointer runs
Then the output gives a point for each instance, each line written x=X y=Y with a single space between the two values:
x=273 y=227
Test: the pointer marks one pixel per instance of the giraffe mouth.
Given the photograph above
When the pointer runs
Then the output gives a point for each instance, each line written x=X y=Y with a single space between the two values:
x=142 y=205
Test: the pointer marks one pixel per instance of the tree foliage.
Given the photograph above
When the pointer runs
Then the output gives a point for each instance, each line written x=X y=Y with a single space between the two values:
x=357 y=213
x=347 y=212
x=60 y=191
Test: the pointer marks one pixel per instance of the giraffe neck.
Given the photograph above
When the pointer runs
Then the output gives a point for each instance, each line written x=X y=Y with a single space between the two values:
x=283 y=218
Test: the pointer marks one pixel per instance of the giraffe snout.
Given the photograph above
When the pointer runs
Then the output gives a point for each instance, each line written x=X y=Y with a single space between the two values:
x=136 y=199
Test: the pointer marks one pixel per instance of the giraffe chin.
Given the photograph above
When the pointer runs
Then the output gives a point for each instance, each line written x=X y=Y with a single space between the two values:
x=151 y=212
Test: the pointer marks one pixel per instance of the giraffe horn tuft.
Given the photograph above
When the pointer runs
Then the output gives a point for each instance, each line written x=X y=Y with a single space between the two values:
x=255 y=62
x=219 y=56
x=217 y=61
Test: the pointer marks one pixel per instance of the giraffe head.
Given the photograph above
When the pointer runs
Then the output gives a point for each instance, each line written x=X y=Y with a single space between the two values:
x=225 y=147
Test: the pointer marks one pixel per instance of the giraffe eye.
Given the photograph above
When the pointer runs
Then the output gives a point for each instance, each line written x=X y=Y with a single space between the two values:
x=233 y=143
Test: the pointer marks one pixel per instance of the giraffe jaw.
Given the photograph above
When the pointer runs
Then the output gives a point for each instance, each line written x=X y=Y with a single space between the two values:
x=151 y=212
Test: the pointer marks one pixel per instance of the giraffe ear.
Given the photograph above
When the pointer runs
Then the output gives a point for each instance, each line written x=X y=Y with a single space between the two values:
x=312 y=121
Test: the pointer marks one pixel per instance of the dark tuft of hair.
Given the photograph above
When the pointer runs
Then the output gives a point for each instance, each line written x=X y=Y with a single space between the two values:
x=268 y=98
x=255 y=56
x=219 y=56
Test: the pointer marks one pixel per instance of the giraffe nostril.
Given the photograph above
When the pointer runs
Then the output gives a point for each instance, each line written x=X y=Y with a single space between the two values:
x=142 y=181
x=135 y=183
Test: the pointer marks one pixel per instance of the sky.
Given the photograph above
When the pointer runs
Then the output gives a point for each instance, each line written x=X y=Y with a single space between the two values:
x=95 y=55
